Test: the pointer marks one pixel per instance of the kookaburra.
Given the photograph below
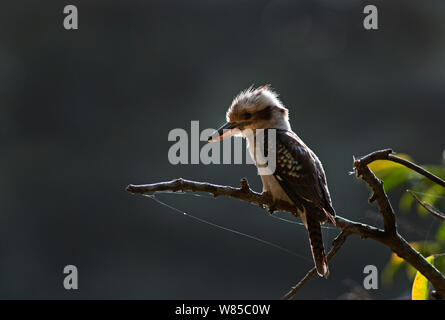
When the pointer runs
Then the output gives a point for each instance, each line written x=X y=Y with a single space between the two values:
x=299 y=177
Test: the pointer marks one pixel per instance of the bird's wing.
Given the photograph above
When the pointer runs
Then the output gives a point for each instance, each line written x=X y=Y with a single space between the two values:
x=301 y=174
x=324 y=186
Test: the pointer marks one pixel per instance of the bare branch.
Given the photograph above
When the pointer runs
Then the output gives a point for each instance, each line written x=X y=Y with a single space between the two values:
x=264 y=200
x=336 y=245
x=417 y=168
x=387 y=154
x=243 y=192
x=436 y=213
x=362 y=171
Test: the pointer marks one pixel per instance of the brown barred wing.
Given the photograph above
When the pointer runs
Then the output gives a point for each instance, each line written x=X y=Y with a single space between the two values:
x=301 y=175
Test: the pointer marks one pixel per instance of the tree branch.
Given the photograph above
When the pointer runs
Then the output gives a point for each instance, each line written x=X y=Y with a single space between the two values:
x=417 y=169
x=389 y=236
x=436 y=213
x=362 y=171
x=387 y=154
x=336 y=245
x=264 y=200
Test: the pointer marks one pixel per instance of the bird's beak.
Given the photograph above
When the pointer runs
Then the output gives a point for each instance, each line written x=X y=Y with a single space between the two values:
x=227 y=130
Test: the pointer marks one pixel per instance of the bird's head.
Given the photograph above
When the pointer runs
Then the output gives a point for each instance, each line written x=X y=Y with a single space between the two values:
x=253 y=109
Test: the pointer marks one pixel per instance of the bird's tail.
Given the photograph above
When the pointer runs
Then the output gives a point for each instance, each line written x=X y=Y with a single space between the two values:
x=316 y=241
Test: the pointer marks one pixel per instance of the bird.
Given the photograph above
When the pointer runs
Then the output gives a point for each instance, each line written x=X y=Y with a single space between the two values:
x=298 y=177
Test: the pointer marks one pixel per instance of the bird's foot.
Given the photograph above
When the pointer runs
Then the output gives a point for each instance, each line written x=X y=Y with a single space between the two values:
x=273 y=207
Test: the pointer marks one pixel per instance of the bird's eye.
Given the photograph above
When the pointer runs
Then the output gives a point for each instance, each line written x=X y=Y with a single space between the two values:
x=247 y=116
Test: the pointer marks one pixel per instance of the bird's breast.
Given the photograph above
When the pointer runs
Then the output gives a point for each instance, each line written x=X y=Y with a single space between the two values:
x=271 y=185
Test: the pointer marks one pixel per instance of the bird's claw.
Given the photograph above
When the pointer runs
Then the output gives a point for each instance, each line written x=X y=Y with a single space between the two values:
x=272 y=208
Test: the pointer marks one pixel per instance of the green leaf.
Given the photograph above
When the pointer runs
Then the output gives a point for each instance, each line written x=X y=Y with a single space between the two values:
x=393 y=174
x=440 y=236
x=406 y=202
x=397 y=177
x=439 y=262
x=436 y=170
x=431 y=196
x=379 y=166
x=427 y=248
x=420 y=290
x=394 y=265
x=411 y=272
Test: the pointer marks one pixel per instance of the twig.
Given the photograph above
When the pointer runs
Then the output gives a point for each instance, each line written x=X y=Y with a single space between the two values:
x=336 y=245
x=436 y=213
x=362 y=171
x=417 y=168
x=387 y=154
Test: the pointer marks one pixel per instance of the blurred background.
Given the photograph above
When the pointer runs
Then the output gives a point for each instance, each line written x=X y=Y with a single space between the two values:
x=84 y=113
